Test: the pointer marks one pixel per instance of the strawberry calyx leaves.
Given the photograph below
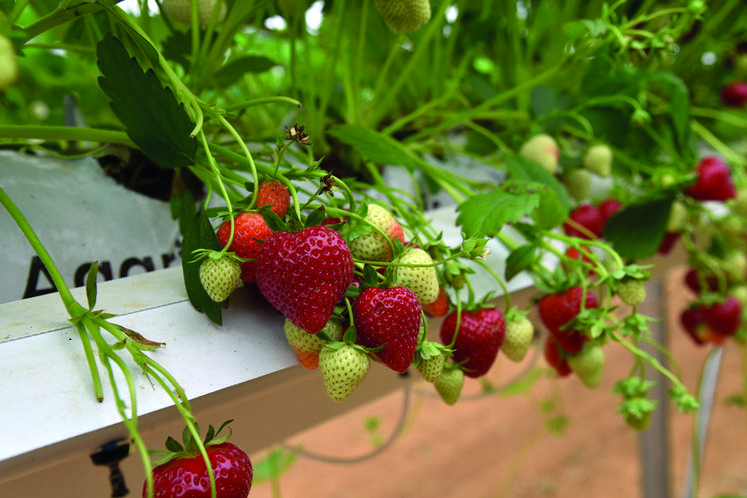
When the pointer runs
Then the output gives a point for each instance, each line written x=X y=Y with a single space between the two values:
x=188 y=447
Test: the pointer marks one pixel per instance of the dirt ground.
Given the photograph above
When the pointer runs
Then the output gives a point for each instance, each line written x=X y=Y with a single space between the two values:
x=501 y=446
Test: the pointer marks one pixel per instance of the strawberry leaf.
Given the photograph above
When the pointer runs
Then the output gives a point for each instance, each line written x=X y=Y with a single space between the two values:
x=199 y=235
x=150 y=113
x=91 y=287
x=229 y=73
x=638 y=229
x=485 y=214
x=373 y=146
x=519 y=260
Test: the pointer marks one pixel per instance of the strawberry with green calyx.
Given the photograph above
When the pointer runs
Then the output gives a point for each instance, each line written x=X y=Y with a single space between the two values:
x=578 y=183
x=375 y=244
x=636 y=407
x=430 y=358
x=723 y=318
x=449 y=385
x=274 y=195
x=476 y=340
x=558 y=310
x=414 y=269
x=598 y=159
x=404 y=16
x=8 y=64
x=343 y=365
x=588 y=365
x=181 y=11
x=304 y=274
x=631 y=291
x=543 y=150
x=220 y=275
x=307 y=346
x=713 y=181
x=519 y=335
x=388 y=319
x=556 y=357
x=250 y=229
x=585 y=221
x=182 y=471
x=734 y=266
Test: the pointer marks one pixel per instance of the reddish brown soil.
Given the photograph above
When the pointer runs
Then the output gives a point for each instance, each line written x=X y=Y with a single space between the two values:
x=501 y=447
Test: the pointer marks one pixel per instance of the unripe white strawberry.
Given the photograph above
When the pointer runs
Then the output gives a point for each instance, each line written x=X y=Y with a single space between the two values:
x=740 y=203
x=403 y=16
x=343 y=368
x=598 y=159
x=8 y=64
x=373 y=246
x=677 y=217
x=421 y=280
x=307 y=346
x=449 y=384
x=543 y=150
x=518 y=339
x=578 y=183
x=181 y=10
x=220 y=276
x=588 y=365
x=632 y=291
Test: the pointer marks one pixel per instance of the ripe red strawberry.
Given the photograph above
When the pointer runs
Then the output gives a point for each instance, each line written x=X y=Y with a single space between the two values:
x=275 y=194
x=609 y=207
x=691 y=320
x=186 y=475
x=589 y=217
x=308 y=346
x=557 y=310
x=250 y=230
x=390 y=318
x=668 y=242
x=693 y=281
x=305 y=274
x=734 y=94
x=714 y=181
x=440 y=306
x=478 y=340
x=556 y=357
x=723 y=319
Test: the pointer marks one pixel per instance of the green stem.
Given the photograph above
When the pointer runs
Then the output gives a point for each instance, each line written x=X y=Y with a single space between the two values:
x=66 y=133
x=262 y=101
x=717 y=144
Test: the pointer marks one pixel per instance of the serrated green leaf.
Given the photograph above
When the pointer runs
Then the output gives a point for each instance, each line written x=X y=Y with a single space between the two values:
x=519 y=260
x=581 y=27
x=199 y=235
x=91 y=287
x=374 y=146
x=521 y=169
x=637 y=230
x=486 y=214
x=228 y=74
x=150 y=113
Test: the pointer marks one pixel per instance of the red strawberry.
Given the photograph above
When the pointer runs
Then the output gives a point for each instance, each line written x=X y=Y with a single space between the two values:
x=440 y=306
x=667 y=243
x=691 y=320
x=275 y=194
x=556 y=310
x=693 y=281
x=186 y=475
x=478 y=340
x=305 y=274
x=250 y=230
x=589 y=217
x=723 y=319
x=609 y=207
x=714 y=181
x=734 y=94
x=556 y=357
x=390 y=318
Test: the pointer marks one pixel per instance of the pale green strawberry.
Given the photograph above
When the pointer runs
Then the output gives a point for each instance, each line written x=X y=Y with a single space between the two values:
x=543 y=150
x=8 y=64
x=449 y=384
x=421 y=280
x=403 y=16
x=181 y=10
x=343 y=367
x=734 y=266
x=430 y=361
x=598 y=159
x=632 y=291
x=373 y=246
x=740 y=203
x=220 y=276
x=588 y=365
x=677 y=217
x=578 y=183
x=307 y=346
x=518 y=339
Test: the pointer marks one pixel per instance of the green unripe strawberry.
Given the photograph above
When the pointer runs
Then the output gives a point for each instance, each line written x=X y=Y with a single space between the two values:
x=598 y=159
x=518 y=339
x=8 y=64
x=403 y=16
x=543 y=150
x=373 y=246
x=181 y=11
x=740 y=203
x=638 y=421
x=588 y=365
x=449 y=384
x=343 y=367
x=307 y=346
x=734 y=266
x=578 y=183
x=677 y=217
x=430 y=361
x=220 y=276
x=739 y=292
x=632 y=291
x=421 y=280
